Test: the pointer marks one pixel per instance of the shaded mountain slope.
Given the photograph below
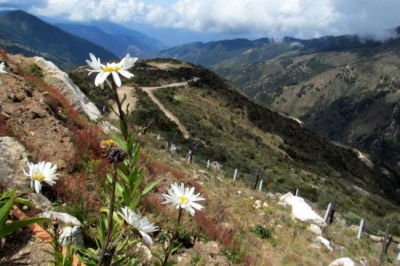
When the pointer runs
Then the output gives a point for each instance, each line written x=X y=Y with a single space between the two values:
x=119 y=41
x=23 y=33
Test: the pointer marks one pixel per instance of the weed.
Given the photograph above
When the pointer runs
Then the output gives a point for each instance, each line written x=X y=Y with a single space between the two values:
x=262 y=232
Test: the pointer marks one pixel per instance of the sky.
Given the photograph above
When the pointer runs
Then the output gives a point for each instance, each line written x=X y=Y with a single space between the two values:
x=205 y=20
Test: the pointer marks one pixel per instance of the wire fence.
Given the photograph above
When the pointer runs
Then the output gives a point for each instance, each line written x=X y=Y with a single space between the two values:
x=261 y=183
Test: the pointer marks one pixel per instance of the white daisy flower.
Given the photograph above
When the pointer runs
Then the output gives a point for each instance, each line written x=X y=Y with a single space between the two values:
x=2 y=66
x=141 y=224
x=42 y=171
x=115 y=69
x=180 y=197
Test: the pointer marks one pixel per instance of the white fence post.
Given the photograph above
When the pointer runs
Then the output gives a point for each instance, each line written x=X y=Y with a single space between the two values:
x=261 y=184
x=234 y=174
x=208 y=163
x=360 y=229
x=327 y=211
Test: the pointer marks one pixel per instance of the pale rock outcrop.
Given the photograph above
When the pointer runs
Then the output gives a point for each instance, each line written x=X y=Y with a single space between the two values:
x=62 y=217
x=59 y=79
x=301 y=209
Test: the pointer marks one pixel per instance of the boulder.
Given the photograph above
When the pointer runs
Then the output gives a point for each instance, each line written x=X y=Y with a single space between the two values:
x=301 y=209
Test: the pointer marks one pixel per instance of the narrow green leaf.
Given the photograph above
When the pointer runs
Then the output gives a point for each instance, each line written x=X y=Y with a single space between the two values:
x=149 y=187
x=9 y=228
x=23 y=201
x=120 y=141
x=122 y=175
x=4 y=211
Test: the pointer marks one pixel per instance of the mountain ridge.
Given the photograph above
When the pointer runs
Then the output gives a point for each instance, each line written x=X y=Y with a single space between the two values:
x=119 y=40
x=23 y=33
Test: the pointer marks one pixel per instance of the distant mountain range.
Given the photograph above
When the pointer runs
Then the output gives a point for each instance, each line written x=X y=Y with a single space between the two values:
x=23 y=33
x=120 y=40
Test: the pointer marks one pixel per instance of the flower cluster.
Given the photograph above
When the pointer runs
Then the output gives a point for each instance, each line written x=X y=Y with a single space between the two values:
x=140 y=223
x=42 y=171
x=180 y=197
x=115 y=69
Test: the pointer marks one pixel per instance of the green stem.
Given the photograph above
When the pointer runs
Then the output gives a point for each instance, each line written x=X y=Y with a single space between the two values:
x=174 y=237
x=110 y=218
x=124 y=126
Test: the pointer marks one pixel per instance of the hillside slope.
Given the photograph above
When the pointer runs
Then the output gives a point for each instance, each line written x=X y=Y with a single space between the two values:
x=226 y=127
x=343 y=88
x=23 y=33
x=238 y=225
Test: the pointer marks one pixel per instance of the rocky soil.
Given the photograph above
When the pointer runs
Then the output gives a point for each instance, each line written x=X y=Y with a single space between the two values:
x=24 y=113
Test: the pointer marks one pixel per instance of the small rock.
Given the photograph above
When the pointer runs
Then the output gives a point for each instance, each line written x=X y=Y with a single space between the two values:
x=143 y=253
x=376 y=239
x=342 y=262
x=313 y=228
x=271 y=196
x=257 y=204
x=71 y=235
x=320 y=240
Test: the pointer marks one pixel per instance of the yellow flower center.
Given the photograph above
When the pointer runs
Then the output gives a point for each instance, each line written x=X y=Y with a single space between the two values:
x=38 y=176
x=111 y=69
x=108 y=143
x=183 y=199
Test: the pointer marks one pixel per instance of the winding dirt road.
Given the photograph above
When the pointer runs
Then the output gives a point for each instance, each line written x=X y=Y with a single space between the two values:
x=131 y=99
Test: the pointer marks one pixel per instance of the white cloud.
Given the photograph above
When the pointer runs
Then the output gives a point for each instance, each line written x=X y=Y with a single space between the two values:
x=298 y=18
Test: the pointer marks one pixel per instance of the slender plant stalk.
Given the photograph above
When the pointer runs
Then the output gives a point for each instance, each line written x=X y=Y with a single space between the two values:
x=114 y=180
x=174 y=237
x=110 y=218
x=121 y=114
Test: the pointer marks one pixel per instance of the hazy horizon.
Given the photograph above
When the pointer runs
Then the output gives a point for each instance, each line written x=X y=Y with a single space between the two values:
x=176 y=22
